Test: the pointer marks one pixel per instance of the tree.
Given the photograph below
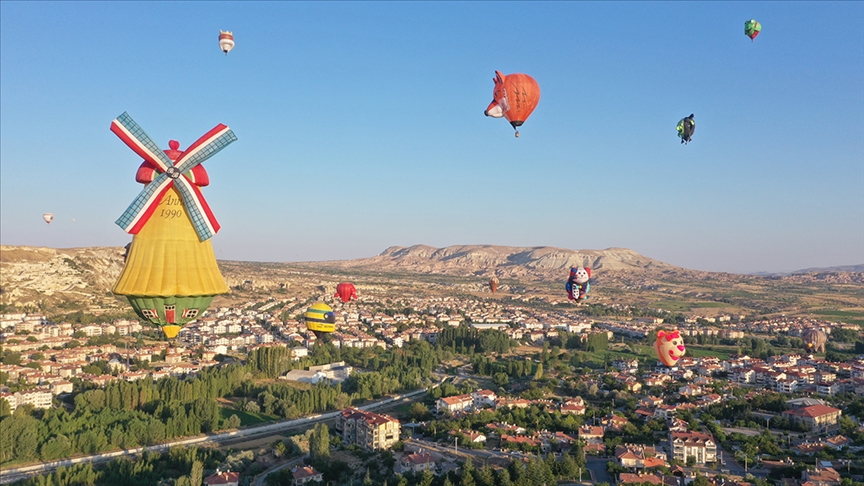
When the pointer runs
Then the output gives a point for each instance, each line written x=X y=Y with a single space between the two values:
x=233 y=421
x=319 y=442
x=500 y=379
x=418 y=412
x=197 y=474
x=538 y=375
x=691 y=461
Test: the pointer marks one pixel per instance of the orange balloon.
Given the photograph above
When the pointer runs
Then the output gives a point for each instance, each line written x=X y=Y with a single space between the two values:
x=514 y=97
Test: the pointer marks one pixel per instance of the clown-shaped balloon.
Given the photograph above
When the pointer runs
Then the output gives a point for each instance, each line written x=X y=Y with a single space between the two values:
x=669 y=347
x=577 y=284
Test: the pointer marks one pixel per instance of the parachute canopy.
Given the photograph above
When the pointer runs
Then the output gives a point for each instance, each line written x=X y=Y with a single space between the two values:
x=686 y=127
x=514 y=97
x=752 y=29
x=346 y=291
x=669 y=347
x=320 y=319
x=48 y=217
x=493 y=284
x=814 y=340
x=226 y=41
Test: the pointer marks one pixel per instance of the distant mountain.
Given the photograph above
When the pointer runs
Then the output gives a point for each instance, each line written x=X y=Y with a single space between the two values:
x=838 y=269
x=504 y=261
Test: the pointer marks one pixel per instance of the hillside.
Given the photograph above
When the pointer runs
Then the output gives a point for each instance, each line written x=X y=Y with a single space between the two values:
x=60 y=281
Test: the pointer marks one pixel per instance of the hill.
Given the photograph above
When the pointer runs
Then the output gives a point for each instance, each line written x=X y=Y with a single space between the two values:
x=62 y=281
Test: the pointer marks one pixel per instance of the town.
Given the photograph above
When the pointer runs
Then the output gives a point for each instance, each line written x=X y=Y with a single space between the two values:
x=519 y=389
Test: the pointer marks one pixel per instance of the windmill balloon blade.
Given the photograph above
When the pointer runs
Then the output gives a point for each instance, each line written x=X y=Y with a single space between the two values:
x=205 y=147
x=134 y=137
x=137 y=213
x=196 y=207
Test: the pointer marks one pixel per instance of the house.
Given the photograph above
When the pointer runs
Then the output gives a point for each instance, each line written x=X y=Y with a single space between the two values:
x=226 y=478
x=418 y=462
x=685 y=445
x=820 y=477
x=483 y=398
x=454 y=404
x=815 y=416
x=308 y=474
x=639 y=456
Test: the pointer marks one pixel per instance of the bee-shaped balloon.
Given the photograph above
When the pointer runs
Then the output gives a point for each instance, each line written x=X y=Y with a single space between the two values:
x=669 y=347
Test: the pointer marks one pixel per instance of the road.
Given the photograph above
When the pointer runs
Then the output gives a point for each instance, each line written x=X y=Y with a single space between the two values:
x=263 y=475
x=597 y=467
x=481 y=456
x=15 y=474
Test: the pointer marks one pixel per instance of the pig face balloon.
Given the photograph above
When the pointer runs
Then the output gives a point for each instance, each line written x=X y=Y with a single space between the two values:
x=669 y=347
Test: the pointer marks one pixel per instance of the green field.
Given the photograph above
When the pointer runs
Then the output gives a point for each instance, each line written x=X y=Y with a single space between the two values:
x=247 y=418
x=683 y=305
x=850 y=317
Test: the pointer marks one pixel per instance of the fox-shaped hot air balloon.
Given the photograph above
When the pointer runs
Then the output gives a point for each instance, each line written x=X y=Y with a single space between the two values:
x=514 y=97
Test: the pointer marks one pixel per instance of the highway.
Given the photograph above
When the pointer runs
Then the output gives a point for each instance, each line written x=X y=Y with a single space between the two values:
x=15 y=474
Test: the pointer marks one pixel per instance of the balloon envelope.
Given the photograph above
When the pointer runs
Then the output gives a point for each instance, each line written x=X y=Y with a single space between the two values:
x=346 y=291
x=669 y=347
x=320 y=319
x=514 y=97
x=752 y=28
x=226 y=41
x=814 y=339
x=493 y=284
x=48 y=217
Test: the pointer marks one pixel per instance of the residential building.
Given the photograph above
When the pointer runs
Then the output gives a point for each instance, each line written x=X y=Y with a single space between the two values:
x=369 y=430
x=815 y=416
x=226 y=478
x=307 y=474
x=418 y=462
x=700 y=446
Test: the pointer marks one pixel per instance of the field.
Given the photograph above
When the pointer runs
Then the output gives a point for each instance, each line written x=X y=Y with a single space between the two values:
x=247 y=418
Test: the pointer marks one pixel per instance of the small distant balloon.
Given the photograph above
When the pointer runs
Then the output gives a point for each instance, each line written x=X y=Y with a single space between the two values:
x=48 y=217
x=686 y=127
x=493 y=284
x=226 y=41
x=752 y=29
x=346 y=291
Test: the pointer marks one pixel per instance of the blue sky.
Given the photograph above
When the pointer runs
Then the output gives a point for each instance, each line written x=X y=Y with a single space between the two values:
x=361 y=126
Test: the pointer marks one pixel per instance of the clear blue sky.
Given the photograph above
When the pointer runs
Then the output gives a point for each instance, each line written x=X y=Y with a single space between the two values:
x=361 y=126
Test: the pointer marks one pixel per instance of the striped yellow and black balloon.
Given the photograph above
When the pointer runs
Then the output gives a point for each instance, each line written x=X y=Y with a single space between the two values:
x=320 y=319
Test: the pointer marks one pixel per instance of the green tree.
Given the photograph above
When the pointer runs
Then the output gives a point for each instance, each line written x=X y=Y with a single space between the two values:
x=319 y=442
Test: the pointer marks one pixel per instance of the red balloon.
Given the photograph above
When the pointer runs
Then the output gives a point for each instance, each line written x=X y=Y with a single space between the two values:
x=346 y=291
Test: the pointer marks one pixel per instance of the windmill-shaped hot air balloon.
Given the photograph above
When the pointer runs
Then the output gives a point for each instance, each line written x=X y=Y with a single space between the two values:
x=170 y=276
x=514 y=97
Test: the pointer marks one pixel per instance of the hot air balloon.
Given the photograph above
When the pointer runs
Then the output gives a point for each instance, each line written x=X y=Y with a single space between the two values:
x=346 y=291
x=686 y=127
x=493 y=284
x=752 y=29
x=170 y=275
x=514 y=97
x=48 y=217
x=577 y=285
x=669 y=347
x=320 y=319
x=226 y=41
x=814 y=340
